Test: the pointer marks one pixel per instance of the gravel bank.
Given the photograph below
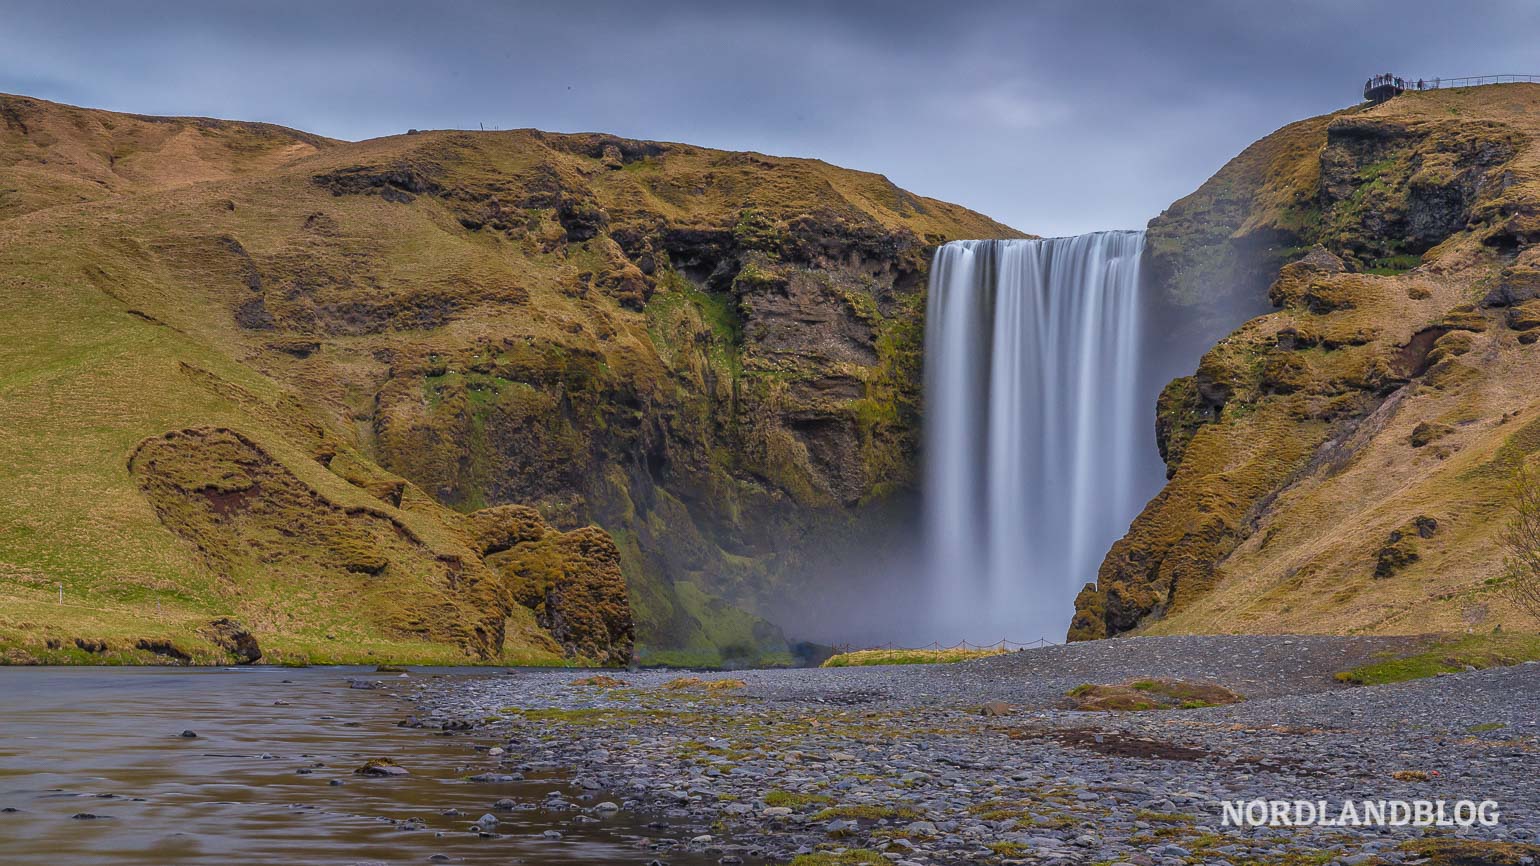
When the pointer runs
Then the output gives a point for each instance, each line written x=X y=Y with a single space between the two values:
x=900 y=760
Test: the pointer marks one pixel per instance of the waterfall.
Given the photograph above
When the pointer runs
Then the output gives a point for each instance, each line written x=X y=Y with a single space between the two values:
x=1038 y=439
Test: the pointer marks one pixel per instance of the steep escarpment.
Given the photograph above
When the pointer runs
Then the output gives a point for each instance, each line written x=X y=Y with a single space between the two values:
x=694 y=370
x=711 y=355
x=1341 y=464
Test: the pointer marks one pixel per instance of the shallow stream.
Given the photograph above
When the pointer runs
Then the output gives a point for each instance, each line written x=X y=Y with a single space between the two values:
x=257 y=783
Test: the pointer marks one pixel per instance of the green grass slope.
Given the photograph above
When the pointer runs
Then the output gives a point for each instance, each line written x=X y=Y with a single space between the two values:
x=382 y=338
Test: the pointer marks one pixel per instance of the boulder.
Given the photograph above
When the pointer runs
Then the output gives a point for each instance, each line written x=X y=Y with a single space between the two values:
x=1524 y=316
x=381 y=767
x=233 y=638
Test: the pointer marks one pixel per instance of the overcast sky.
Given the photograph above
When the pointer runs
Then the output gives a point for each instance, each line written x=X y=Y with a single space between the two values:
x=1055 y=117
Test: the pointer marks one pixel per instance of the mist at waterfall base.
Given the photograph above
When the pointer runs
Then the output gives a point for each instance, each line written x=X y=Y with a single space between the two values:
x=1038 y=447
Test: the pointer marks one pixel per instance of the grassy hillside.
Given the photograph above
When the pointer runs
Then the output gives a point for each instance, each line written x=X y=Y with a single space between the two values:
x=53 y=154
x=344 y=357
x=1342 y=464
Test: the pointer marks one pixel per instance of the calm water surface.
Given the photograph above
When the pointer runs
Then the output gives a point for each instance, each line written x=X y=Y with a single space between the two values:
x=103 y=742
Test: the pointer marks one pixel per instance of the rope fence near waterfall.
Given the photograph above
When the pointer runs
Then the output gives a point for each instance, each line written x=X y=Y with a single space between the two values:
x=933 y=653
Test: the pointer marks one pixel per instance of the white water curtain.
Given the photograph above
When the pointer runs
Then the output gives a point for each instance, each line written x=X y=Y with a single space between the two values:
x=1032 y=426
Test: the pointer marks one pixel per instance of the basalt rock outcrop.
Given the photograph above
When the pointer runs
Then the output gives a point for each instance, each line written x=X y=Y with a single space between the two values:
x=1341 y=463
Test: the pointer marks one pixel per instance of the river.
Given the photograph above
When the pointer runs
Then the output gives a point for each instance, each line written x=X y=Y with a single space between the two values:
x=258 y=784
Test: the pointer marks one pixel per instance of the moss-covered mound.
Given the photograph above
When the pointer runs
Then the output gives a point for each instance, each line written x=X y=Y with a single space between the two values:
x=1148 y=694
x=258 y=526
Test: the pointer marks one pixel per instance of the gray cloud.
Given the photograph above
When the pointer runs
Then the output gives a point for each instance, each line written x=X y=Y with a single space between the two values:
x=1056 y=117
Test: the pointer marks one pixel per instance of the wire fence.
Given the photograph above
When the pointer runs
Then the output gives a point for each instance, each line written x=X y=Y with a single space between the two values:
x=1477 y=80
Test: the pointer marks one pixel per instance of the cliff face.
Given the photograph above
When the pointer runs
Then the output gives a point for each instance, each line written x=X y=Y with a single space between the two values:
x=721 y=356
x=678 y=362
x=1341 y=464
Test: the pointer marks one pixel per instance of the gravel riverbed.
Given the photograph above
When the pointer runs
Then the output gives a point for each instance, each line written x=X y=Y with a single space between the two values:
x=903 y=761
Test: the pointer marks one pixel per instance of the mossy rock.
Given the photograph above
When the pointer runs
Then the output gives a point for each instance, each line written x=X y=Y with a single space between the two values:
x=1517 y=284
x=1285 y=374
x=1465 y=318
x=493 y=530
x=1427 y=432
x=1451 y=374
x=1401 y=548
x=573 y=583
x=1330 y=295
x=1148 y=694
x=1525 y=316
x=1451 y=345
x=381 y=768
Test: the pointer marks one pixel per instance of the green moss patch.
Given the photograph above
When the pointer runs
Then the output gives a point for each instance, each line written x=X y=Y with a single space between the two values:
x=851 y=857
x=1448 y=655
x=867 y=812
x=796 y=800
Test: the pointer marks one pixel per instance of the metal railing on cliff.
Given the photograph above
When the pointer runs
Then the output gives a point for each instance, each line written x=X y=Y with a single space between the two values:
x=1378 y=88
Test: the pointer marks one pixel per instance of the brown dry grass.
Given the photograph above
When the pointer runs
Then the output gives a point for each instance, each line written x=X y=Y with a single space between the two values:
x=1312 y=504
x=52 y=154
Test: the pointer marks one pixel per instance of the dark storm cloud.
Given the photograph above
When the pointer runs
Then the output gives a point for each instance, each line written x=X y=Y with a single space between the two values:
x=1054 y=117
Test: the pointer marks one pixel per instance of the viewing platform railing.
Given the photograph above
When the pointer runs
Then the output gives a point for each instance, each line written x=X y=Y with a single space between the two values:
x=1475 y=80
x=1379 y=88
